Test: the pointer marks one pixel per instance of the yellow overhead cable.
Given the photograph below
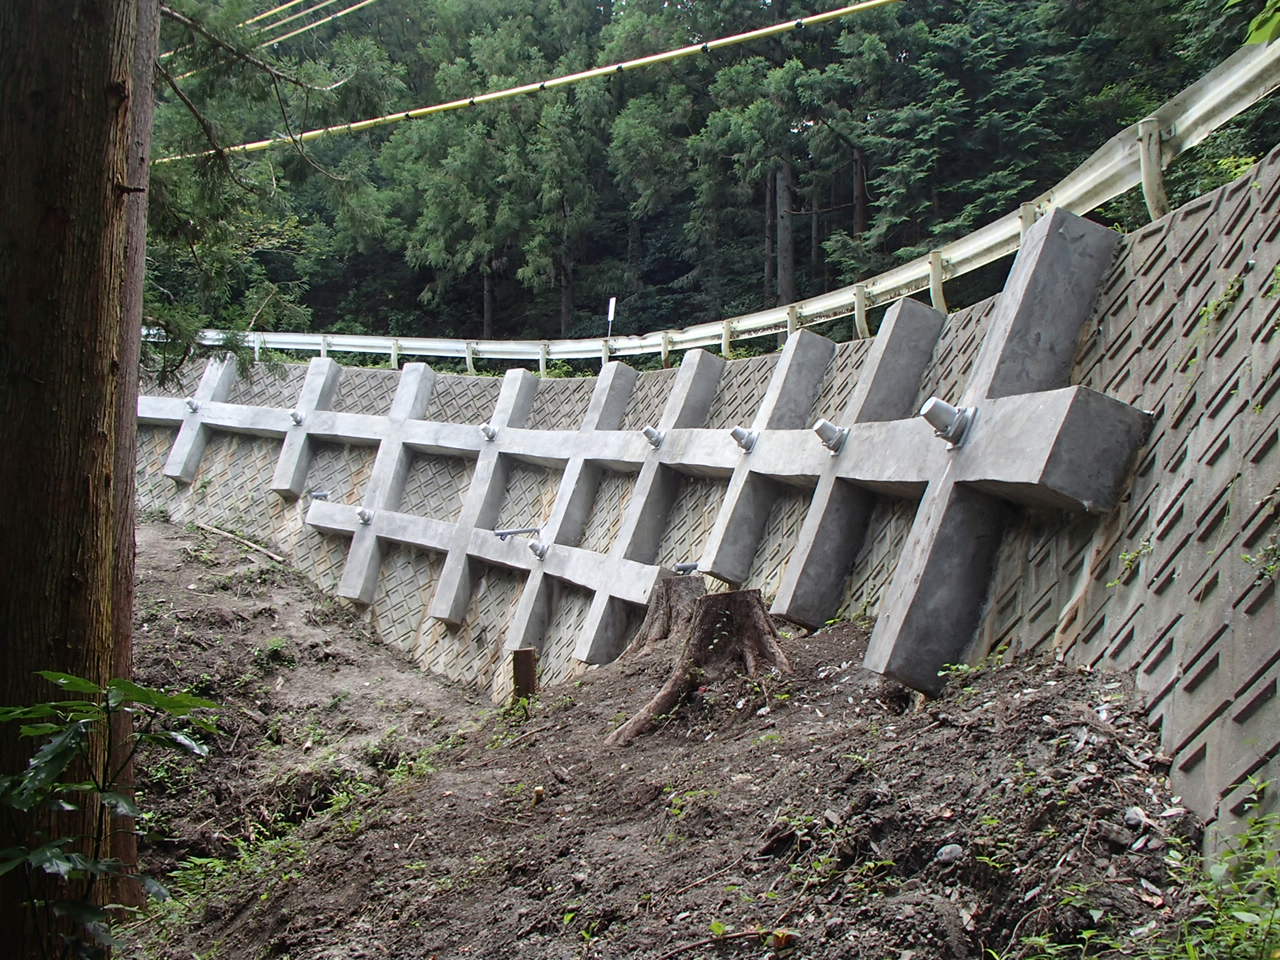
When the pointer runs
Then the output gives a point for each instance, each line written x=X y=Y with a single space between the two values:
x=245 y=23
x=279 y=9
x=294 y=16
x=668 y=56
x=286 y=36
x=309 y=26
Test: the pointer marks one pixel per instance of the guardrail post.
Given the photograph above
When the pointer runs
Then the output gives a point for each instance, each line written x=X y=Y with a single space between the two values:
x=1027 y=216
x=1151 y=164
x=793 y=320
x=324 y=346
x=935 y=282
x=257 y=347
x=860 y=310
x=543 y=350
x=471 y=358
x=666 y=350
x=395 y=354
x=604 y=354
x=726 y=338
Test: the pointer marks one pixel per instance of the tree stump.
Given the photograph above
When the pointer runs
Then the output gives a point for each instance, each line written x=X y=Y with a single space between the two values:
x=717 y=635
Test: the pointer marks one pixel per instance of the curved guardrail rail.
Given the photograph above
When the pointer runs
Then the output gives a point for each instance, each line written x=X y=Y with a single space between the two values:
x=1134 y=156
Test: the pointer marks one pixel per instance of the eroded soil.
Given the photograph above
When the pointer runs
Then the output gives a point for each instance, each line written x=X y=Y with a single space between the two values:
x=354 y=807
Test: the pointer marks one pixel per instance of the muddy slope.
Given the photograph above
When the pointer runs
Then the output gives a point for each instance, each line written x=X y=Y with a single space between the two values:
x=354 y=807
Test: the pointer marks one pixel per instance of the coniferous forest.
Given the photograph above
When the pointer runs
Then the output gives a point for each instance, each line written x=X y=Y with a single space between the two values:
x=726 y=182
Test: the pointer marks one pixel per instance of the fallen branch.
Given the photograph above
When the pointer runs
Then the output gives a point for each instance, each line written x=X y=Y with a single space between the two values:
x=240 y=540
x=720 y=938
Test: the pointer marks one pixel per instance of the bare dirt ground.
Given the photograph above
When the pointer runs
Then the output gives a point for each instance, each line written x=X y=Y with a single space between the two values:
x=354 y=807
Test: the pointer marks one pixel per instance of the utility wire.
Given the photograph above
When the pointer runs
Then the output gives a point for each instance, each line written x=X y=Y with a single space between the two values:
x=274 y=40
x=279 y=9
x=563 y=81
x=244 y=23
x=309 y=26
x=294 y=16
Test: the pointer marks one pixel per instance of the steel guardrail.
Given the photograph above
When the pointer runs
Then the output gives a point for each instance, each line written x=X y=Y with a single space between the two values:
x=1240 y=81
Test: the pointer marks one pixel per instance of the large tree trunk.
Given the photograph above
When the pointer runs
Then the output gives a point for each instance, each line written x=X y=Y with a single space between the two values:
x=786 y=233
x=565 y=273
x=72 y=147
x=860 y=196
x=486 y=322
x=141 y=117
x=770 y=228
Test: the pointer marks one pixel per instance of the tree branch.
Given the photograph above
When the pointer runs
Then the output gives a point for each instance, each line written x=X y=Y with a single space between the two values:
x=206 y=127
x=293 y=139
x=275 y=74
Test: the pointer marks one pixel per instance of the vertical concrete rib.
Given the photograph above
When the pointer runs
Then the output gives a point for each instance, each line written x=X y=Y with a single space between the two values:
x=574 y=498
x=931 y=607
x=386 y=483
x=836 y=522
x=656 y=486
x=484 y=498
x=750 y=497
x=215 y=386
x=290 y=480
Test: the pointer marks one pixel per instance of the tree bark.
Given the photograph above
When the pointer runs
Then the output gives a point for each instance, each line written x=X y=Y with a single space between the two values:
x=141 y=118
x=717 y=634
x=73 y=139
x=770 y=226
x=785 y=200
x=860 y=196
x=486 y=321
x=565 y=272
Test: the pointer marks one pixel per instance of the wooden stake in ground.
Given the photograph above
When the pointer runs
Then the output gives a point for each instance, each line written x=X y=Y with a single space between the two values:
x=716 y=634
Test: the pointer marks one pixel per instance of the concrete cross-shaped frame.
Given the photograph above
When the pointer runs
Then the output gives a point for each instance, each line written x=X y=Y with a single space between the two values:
x=1033 y=440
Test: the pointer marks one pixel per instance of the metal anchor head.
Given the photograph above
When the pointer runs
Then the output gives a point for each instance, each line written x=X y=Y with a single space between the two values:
x=832 y=437
x=948 y=422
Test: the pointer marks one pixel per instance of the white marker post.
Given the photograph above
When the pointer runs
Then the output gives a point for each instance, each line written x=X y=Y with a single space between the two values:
x=608 y=332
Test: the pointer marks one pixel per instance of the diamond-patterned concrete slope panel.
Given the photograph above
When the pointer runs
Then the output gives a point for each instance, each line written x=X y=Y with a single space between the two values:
x=838 y=380
x=155 y=491
x=434 y=486
x=607 y=511
x=557 y=662
x=408 y=579
x=232 y=487
x=182 y=384
x=461 y=399
x=365 y=391
x=270 y=386
x=644 y=409
x=530 y=496
x=560 y=403
x=742 y=387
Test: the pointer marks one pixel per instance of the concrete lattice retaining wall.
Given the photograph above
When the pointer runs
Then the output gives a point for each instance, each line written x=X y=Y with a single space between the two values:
x=1159 y=586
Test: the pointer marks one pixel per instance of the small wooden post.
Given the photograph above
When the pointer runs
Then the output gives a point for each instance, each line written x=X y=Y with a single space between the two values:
x=524 y=673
